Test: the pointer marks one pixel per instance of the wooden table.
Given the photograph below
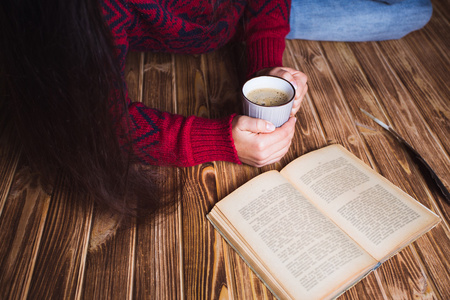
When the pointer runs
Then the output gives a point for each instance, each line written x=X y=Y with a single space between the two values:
x=53 y=247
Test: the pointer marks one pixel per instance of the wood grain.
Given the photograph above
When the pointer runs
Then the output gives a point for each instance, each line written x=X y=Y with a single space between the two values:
x=24 y=216
x=391 y=151
x=202 y=258
x=109 y=266
x=441 y=10
x=396 y=101
x=433 y=104
x=328 y=97
x=158 y=271
x=410 y=285
x=60 y=246
x=112 y=248
x=223 y=86
x=60 y=261
x=401 y=171
x=220 y=71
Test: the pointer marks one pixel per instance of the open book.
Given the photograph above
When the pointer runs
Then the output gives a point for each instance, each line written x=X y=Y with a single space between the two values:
x=320 y=225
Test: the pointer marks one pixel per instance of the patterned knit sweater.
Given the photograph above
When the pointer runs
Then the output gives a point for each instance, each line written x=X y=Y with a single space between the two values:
x=195 y=26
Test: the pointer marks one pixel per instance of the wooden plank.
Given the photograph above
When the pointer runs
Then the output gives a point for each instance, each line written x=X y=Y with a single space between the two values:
x=110 y=259
x=158 y=259
x=134 y=75
x=60 y=262
x=191 y=97
x=158 y=82
x=158 y=249
x=21 y=228
x=204 y=272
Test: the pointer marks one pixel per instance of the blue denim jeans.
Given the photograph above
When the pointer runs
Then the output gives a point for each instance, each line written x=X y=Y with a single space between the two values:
x=357 y=20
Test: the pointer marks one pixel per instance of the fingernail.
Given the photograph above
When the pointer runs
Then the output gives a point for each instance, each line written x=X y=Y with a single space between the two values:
x=294 y=84
x=270 y=126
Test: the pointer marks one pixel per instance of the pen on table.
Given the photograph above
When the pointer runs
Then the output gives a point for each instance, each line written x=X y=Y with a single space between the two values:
x=414 y=154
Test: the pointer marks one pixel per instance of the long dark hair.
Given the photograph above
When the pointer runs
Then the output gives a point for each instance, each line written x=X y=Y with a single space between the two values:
x=58 y=74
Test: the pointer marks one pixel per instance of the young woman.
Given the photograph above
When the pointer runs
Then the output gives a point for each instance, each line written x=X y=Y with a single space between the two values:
x=64 y=94
x=62 y=86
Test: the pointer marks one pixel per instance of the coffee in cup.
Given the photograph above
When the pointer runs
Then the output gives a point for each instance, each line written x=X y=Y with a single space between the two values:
x=269 y=98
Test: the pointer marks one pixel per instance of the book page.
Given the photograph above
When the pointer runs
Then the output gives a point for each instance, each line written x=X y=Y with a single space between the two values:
x=374 y=212
x=307 y=253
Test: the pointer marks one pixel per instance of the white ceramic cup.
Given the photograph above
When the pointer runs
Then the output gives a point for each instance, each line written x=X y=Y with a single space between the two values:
x=278 y=114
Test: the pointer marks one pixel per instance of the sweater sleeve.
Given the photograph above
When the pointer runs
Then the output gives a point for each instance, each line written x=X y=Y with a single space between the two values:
x=161 y=138
x=266 y=25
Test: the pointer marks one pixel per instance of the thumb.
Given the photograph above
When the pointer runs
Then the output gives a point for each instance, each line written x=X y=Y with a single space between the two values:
x=255 y=125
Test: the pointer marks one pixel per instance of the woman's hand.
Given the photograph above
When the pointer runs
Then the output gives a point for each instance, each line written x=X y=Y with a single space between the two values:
x=258 y=142
x=297 y=78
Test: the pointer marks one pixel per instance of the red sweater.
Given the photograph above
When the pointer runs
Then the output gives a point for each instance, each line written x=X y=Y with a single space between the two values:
x=161 y=138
